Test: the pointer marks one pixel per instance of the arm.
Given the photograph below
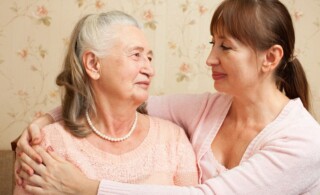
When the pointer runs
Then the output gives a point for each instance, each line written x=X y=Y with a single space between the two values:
x=285 y=165
x=175 y=107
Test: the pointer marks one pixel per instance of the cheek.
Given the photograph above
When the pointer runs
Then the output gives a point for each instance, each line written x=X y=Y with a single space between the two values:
x=128 y=75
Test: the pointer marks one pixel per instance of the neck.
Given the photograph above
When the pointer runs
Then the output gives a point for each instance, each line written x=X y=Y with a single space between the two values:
x=115 y=116
x=114 y=121
x=259 y=107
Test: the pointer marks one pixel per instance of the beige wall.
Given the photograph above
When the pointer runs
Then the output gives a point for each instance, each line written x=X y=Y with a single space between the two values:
x=34 y=35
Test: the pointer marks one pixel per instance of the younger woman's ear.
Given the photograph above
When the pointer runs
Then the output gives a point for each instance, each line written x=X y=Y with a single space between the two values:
x=272 y=59
x=91 y=65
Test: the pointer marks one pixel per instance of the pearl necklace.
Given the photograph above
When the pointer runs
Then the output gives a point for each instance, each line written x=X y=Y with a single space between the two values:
x=112 y=139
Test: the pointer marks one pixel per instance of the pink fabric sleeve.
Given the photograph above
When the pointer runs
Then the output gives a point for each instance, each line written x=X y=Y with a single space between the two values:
x=56 y=113
x=174 y=109
x=247 y=179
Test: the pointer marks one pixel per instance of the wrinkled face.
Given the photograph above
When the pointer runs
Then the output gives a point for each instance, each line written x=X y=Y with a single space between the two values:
x=235 y=66
x=126 y=71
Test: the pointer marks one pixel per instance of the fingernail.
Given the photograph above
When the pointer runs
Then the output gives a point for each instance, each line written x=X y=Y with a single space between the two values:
x=35 y=140
x=50 y=149
x=39 y=161
x=19 y=154
x=18 y=171
x=18 y=182
x=30 y=172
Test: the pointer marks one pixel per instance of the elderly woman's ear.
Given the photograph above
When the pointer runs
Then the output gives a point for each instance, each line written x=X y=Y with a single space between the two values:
x=91 y=64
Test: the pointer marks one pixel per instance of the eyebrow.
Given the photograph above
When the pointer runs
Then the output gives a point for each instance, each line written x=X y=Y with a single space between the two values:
x=150 y=52
x=219 y=37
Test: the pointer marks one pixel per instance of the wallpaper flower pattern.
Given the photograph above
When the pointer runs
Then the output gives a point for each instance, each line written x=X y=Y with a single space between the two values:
x=34 y=35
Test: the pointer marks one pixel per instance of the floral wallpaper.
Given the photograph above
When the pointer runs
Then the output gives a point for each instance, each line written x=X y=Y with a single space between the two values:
x=34 y=36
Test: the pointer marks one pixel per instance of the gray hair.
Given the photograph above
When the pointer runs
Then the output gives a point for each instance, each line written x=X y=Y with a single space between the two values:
x=95 y=33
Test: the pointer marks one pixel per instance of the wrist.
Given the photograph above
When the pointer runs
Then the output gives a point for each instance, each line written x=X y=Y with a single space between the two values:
x=90 y=188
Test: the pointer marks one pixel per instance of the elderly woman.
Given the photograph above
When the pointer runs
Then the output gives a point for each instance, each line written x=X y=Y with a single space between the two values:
x=105 y=131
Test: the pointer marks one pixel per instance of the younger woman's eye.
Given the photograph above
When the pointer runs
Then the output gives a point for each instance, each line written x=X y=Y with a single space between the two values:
x=212 y=42
x=225 y=47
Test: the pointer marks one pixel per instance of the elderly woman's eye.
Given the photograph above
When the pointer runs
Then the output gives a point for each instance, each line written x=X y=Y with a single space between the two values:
x=137 y=54
x=150 y=59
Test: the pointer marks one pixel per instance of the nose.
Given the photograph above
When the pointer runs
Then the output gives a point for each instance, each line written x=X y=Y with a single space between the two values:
x=212 y=59
x=148 y=68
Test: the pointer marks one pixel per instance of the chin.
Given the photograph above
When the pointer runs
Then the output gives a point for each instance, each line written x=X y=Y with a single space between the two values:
x=217 y=87
x=142 y=97
x=220 y=88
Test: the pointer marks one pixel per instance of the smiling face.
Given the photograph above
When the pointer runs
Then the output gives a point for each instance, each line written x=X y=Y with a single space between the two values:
x=126 y=72
x=235 y=66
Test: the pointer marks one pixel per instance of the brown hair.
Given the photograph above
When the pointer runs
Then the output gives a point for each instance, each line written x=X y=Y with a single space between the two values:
x=261 y=24
x=93 y=32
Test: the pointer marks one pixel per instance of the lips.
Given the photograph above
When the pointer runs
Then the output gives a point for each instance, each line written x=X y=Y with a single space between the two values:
x=143 y=84
x=218 y=75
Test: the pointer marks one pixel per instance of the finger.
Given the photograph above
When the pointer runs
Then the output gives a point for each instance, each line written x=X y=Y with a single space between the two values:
x=47 y=159
x=23 y=145
x=34 y=190
x=34 y=180
x=35 y=134
x=24 y=175
x=48 y=155
x=20 y=165
x=26 y=168
x=17 y=178
x=17 y=168
x=54 y=155
x=38 y=168
x=36 y=125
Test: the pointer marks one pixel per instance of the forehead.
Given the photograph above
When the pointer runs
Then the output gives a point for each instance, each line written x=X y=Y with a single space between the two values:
x=130 y=36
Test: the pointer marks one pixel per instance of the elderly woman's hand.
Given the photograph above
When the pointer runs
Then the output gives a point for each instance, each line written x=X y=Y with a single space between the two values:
x=55 y=176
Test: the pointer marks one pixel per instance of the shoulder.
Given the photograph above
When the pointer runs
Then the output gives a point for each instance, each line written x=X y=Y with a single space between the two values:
x=294 y=130
x=56 y=134
x=295 y=119
x=54 y=128
x=166 y=130
x=164 y=125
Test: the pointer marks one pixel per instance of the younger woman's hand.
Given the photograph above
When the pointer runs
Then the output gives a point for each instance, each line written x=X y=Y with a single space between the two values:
x=29 y=137
x=55 y=176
